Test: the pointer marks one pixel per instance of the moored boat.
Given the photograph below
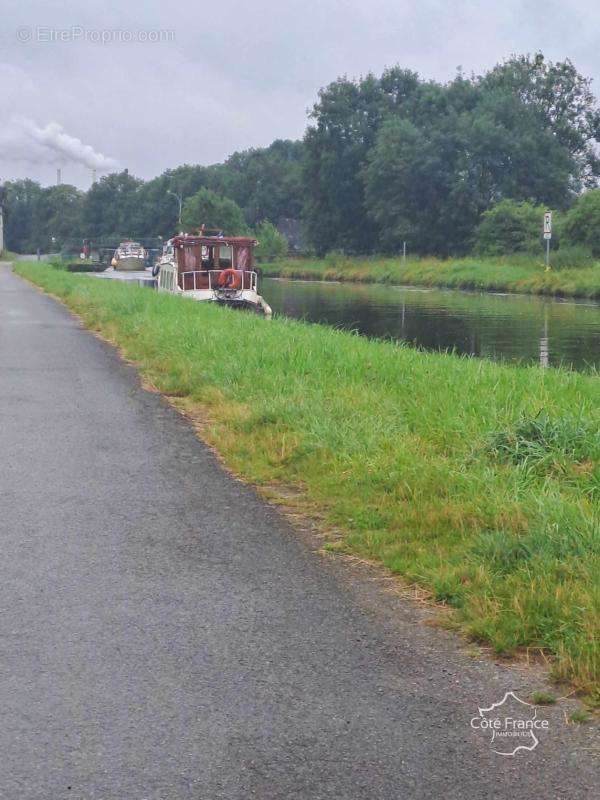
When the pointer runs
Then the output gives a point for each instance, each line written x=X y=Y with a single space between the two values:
x=129 y=257
x=211 y=269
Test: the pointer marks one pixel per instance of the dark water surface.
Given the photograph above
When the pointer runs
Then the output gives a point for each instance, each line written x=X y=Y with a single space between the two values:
x=515 y=328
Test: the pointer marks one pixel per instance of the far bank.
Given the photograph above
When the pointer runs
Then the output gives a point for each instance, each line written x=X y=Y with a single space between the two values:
x=519 y=274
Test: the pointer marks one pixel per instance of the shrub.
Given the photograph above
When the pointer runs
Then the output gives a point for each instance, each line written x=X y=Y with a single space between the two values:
x=57 y=262
x=581 y=225
x=572 y=256
x=271 y=243
x=509 y=227
x=336 y=258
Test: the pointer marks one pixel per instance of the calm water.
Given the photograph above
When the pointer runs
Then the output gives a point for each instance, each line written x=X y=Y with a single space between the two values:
x=502 y=327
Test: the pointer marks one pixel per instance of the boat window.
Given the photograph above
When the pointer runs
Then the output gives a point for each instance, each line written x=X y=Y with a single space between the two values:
x=244 y=258
x=191 y=257
x=225 y=256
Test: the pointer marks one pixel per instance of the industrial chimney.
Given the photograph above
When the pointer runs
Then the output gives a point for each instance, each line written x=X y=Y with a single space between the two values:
x=58 y=176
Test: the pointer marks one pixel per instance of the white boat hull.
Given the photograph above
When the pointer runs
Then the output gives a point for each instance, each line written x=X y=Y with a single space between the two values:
x=242 y=299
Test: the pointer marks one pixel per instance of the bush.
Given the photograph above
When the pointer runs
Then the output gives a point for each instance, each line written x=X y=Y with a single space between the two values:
x=271 y=243
x=581 y=225
x=572 y=256
x=57 y=262
x=509 y=227
x=335 y=259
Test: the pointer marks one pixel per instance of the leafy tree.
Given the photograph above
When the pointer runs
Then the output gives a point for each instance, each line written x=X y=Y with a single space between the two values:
x=266 y=182
x=158 y=208
x=213 y=211
x=458 y=149
x=271 y=243
x=59 y=215
x=581 y=225
x=513 y=154
x=397 y=158
x=39 y=217
x=563 y=99
x=111 y=207
x=21 y=208
x=510 y=227
x=428 y=184
x=346 y=120
x=412 y=192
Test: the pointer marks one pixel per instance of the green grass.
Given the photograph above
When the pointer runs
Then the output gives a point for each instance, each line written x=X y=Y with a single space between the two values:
x=580 y=717
x=475 y=480
x=521 y=274
x=543 y=699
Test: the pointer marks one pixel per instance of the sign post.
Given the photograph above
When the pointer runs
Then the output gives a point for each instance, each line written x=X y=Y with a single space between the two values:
x=547 y=235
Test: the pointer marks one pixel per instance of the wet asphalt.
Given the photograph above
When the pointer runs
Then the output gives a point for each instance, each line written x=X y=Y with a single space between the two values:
x=165 y=634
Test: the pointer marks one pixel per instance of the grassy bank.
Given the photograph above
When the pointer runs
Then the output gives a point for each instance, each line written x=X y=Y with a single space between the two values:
x=477 y=481
x=517 y=274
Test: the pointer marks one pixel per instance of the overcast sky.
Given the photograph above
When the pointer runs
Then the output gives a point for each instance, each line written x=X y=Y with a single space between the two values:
x=223 y=76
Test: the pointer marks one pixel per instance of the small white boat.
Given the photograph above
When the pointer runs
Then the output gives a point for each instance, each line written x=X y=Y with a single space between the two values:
x=211 y=269
x=129 y=257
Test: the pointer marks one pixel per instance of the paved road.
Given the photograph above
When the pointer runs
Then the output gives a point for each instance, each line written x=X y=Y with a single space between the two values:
x=165 y=634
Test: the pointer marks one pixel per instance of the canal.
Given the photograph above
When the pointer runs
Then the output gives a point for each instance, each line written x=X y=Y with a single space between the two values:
x=515 y=328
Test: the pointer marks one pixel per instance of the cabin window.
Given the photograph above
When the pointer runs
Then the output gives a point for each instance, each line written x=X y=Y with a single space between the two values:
x=243 y=258
x=207 y=257
x=191 y=257
x=225 y=256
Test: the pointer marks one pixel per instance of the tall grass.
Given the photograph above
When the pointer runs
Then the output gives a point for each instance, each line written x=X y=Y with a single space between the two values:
x=474 y=480
x=521 y=274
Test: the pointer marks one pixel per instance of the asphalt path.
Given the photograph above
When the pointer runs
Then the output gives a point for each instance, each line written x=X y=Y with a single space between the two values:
x=166 y=634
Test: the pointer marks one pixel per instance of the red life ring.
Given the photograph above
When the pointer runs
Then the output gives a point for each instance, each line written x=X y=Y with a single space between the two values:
x=230 y=279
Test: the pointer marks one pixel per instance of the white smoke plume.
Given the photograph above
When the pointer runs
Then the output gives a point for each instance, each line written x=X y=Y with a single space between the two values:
x=21 y=139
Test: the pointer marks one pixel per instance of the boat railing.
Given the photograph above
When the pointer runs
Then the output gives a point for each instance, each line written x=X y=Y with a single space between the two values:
x=195 y=280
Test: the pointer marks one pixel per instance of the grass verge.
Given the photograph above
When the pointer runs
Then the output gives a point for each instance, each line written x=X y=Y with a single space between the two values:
x=477 y=481
x=520 y=274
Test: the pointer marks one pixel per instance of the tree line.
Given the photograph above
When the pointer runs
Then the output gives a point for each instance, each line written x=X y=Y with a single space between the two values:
x=384 y=160
x=245 y=192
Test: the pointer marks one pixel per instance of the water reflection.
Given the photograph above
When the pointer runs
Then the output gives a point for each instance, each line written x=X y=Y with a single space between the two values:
x=501 y=327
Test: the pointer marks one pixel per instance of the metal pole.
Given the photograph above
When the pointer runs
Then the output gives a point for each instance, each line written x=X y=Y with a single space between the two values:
x=547 y=254
x=404 y=252
x=180 y=201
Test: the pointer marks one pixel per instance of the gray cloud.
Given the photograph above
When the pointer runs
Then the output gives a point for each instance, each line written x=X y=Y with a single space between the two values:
x=234 y=76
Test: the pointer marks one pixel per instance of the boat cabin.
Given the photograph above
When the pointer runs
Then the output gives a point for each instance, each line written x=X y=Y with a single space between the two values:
x=200 y=259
